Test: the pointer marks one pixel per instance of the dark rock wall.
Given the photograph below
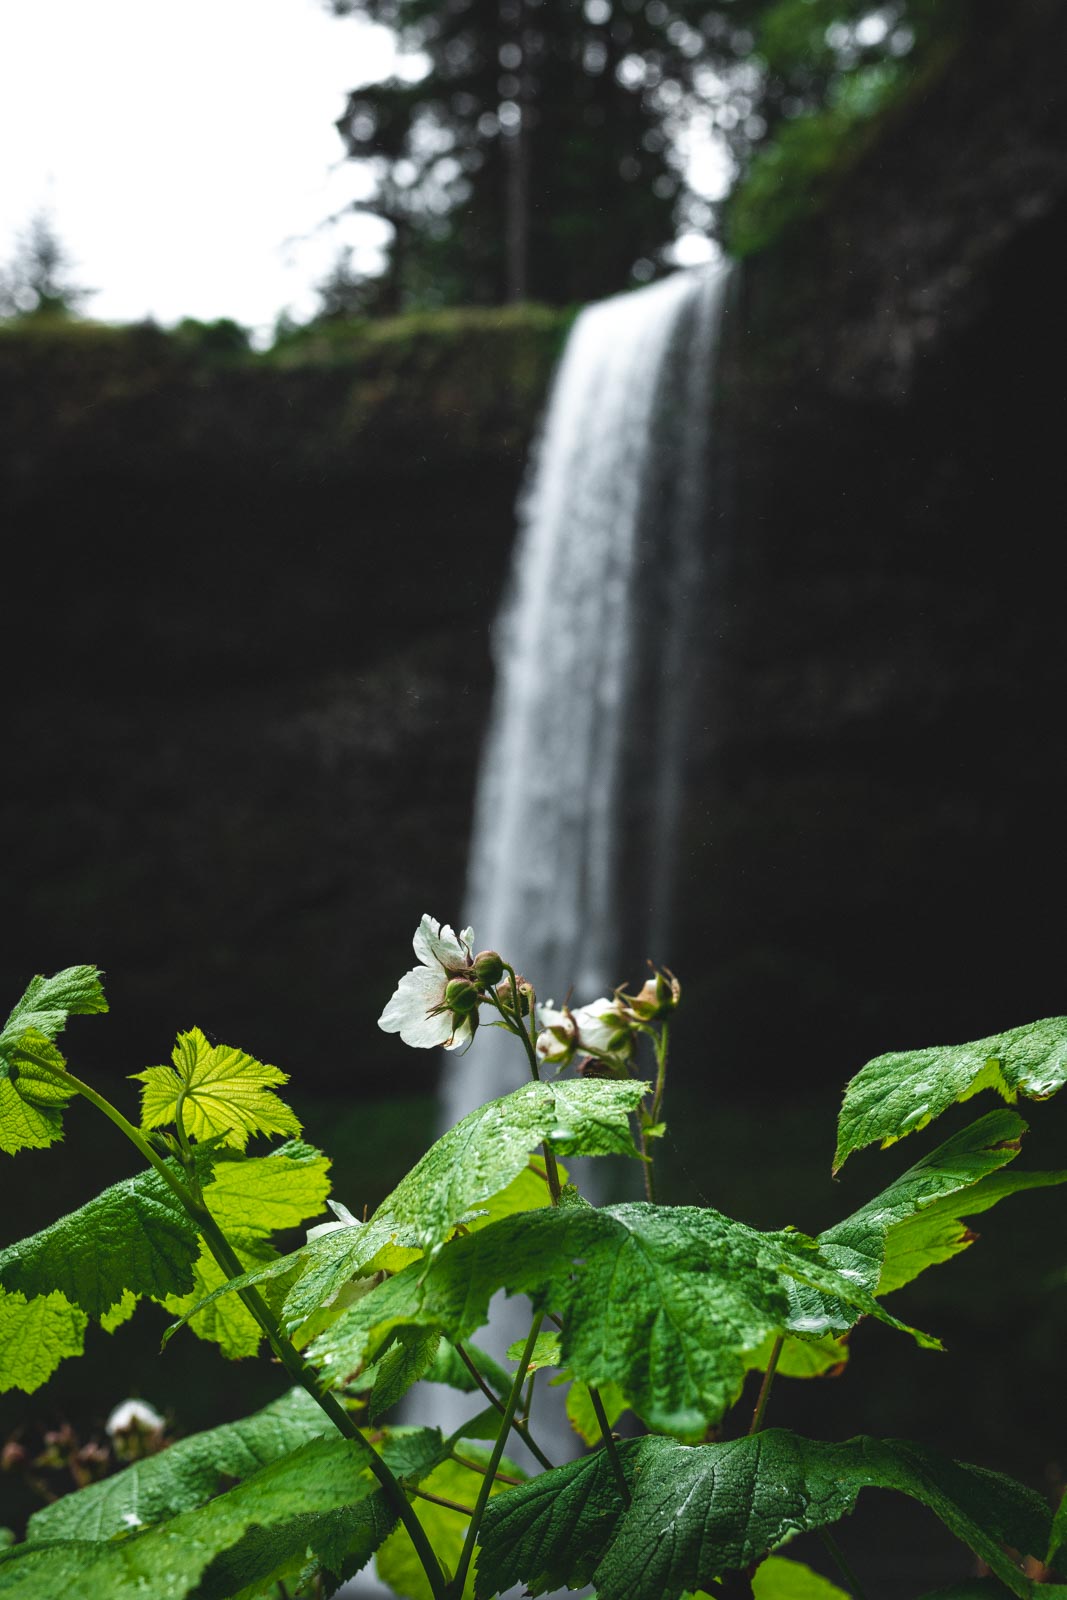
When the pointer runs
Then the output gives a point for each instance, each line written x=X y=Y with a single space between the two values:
x=876 y=830
x=246 y=667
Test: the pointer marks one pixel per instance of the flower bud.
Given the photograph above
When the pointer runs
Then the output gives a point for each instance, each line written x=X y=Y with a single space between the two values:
x=504 y=995
x=461 y=996
x=657 y=997
x=488 y=968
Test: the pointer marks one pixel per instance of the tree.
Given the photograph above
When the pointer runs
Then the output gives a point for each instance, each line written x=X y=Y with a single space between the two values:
x=36 y=281
x=540 y=151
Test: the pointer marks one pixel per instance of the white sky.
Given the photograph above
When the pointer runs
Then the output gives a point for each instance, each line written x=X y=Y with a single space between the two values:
x=184 y=151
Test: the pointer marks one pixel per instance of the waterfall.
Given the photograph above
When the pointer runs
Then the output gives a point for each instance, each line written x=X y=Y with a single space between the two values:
x=577 y=803
x=581 y=776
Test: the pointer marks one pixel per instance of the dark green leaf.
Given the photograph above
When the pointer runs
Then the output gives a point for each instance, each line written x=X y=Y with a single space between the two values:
x=699 y=1512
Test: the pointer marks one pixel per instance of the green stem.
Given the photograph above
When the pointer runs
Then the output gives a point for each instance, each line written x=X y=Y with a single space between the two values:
x=652 y=1116
x=609 y=1443
x=282 y=1346
x=494 y=1400
x=765 y=1386
x=837 y=1556
x=458 y=1582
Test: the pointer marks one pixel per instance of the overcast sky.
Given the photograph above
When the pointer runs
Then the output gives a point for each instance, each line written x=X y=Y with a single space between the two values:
x=184 y=151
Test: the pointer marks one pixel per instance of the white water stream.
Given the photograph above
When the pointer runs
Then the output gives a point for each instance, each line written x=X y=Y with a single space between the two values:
x=571 y=859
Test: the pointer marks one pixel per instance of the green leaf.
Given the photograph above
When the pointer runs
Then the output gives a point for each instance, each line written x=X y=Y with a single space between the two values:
x=169 y=1560
x=581 y=1416
x=35 y=1336
x=399 y=1566
x=546 y=1351
x=897 y=1094
x=31 y=1101
x=802 y=1358
x=403 y=1364
x=779 y=1579
x=134 y=1236
x=667 y=1304
x=938 y=1233
x=250 y=1197
x=185 y=1475
x=222 y=1092
x=699 y=1512
x=464 y=1172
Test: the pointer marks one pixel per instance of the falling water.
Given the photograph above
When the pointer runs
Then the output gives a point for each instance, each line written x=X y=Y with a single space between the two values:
x=579 y=789
x=581 y=777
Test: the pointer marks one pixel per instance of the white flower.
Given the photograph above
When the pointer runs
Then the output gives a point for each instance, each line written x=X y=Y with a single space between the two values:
x=417 y=1010
x=558 y=1036
x=345 y=1219
x=134 y=1416
x=599 y=1024
x=591 y=1030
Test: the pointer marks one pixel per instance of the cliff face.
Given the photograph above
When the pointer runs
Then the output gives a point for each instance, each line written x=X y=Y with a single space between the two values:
x=249 y=612
x=247 y=666
x=877 y=818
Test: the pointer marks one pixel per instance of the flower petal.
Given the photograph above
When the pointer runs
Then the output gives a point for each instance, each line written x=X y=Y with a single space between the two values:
x=437 y=946
x=598 y=1024
x=408 y=1011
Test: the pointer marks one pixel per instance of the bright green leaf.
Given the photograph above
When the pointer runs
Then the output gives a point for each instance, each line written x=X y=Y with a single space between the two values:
x=802 y=1358
x=897 y=1094
x=30 y=1100
x=718 y=1508
x=779 y=1579
x=223 y=1093
x=120 y=1312
x=35 y=1336
x=1058 y=1537
x=667 y=1304
x=465 y=1170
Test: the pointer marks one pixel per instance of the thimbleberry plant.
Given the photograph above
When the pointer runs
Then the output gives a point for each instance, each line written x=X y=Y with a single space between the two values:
x=648 y=1315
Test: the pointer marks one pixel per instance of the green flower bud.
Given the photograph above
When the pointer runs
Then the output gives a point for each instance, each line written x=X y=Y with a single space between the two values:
x=488 y=968
x=461 y=996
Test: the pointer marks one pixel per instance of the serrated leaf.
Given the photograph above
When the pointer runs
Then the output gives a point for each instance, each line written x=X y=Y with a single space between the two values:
x=397 y=1563
x=779 y=1579
x=250 y=1197
x=120 y=1312
x=667 y=1302
x=403 y=1364
x=223 y=1093
x=169 y=1560
x=899 y=1093
x=32 y=1119
x=134 y=1236
x=184 y=1475
x=35 y=1336
x=465 y=1171
x=698 y=1512
x=24 y=1126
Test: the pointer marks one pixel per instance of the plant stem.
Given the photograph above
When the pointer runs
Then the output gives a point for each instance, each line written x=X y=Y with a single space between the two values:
x=765 y=1386
x=662 y=1045
x=479 y=1466
x=494 y=1400
x=837 y=1556
x=282 y=1346
x=456 y=1588
x=449 y=1505
x=609 y=1443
